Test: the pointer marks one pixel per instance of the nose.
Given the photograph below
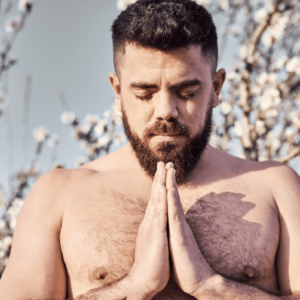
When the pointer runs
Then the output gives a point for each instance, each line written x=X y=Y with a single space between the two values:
x=165 y=108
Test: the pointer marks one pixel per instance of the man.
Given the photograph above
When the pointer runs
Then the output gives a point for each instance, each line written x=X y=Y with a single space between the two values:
x=167 y=216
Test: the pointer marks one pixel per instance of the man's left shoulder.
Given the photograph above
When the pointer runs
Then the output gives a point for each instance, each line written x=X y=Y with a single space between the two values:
x=282 y=180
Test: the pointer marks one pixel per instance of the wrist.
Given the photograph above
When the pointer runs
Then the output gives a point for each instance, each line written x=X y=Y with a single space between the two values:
x=213 y=284
x=140 y=291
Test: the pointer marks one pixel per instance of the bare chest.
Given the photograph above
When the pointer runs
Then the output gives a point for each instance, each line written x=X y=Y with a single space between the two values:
x=237 y=235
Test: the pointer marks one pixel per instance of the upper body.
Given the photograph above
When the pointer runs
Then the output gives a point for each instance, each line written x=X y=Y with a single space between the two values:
x=78 y=228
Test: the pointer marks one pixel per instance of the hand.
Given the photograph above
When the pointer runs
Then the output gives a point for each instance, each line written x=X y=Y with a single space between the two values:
x=151 y=268
x=190 y=269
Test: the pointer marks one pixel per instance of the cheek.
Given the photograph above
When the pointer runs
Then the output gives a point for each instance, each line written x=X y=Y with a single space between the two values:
x=194 y=116
x=138 y=113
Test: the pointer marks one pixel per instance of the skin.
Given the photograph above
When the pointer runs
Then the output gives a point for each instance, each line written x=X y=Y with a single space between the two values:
x=107 y=231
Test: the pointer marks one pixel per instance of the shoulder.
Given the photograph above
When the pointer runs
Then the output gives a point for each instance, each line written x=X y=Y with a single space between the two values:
x=281 y=180
x=54 y=187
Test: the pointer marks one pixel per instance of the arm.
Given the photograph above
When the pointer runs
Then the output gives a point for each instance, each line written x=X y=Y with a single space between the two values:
x=193 y=274
x=35 y=268
x=123 y=289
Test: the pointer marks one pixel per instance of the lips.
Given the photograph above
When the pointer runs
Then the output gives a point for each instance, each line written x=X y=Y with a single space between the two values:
x=164 y=134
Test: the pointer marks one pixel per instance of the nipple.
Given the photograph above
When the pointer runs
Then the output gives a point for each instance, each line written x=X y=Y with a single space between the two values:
x=99 y=274
x=250 y=272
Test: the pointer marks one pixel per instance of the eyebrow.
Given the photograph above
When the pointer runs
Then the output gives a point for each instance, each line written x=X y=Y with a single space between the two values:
x=185 y=83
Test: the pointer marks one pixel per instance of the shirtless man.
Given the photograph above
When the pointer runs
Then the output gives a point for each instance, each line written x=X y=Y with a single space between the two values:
x=121 y=228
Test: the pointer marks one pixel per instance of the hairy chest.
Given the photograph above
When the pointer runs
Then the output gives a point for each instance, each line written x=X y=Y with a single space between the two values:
x=238 y=237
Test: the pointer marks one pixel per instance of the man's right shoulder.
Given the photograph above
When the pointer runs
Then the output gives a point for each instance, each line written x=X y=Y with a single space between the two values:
x=54 y=185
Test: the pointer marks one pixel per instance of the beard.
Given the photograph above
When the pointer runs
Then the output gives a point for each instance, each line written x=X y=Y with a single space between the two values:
x=184 y=160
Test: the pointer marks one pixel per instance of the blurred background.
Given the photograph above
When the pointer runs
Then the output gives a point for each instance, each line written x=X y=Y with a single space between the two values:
x=57 y=106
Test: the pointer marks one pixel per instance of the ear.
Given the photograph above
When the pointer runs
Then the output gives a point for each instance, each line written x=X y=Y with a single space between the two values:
x=115 y=83
x=219 y=79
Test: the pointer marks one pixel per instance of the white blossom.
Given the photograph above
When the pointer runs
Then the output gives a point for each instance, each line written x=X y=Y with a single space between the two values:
x=2 y=254
x=122 y=4
x=81 y=129
x=234 y=30
x=224 y=4
x=116 y=115
x=13 y=24
x=6 y=242
x=102 y=141
x=2 y=224
x=2 y=198
x=278 y=25
x=99 y=128
x=238 y=128
x=275 y=144
x=272 y=77
x=107 y=114
x=289 y=131
x=92 y=119
x=243 y=51
x=293 y=64
x=40 y=134
x=225 y=108
x=272 y=113
x=256 y=90
x=260 y=15
x=296 y=121
x=262 y=78
x=202 y=2
x=260 y=127
x=265 y=102
x=68 y=117
x=53 y=141
x=280 y=62
x=268 y=38
x=25 y=5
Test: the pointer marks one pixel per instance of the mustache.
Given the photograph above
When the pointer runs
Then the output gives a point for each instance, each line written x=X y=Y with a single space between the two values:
x=170 y=127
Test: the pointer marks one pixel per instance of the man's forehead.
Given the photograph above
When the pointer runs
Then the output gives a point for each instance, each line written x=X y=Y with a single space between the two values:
x=136 y=56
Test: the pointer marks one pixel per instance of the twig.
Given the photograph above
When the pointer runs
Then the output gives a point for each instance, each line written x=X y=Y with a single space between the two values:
x=26 y=107
x=5 y=66
x=5 y=12
x=62 y=99
x=295 y=152
x=9 y=140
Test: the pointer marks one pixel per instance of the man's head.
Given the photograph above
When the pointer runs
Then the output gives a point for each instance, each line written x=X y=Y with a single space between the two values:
x=165 y=25
x=164 y=84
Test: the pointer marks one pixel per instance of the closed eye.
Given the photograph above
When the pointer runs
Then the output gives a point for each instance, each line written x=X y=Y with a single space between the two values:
x=186 y=97
x=148 y=97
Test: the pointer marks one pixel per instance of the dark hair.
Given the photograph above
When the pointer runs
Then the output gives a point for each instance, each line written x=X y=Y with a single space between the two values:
x=166 y=25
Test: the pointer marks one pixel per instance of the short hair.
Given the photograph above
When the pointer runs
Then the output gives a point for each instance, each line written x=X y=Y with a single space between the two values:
x=166 y=25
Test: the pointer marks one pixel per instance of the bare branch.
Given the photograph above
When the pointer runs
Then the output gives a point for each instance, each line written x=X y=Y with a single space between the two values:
x=292 y=154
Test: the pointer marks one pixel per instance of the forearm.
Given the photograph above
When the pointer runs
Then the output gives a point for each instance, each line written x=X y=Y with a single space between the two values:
x=221 y=288
x=123 y=289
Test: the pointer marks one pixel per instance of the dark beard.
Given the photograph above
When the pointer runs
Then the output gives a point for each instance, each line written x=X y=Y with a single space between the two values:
x=185 y=160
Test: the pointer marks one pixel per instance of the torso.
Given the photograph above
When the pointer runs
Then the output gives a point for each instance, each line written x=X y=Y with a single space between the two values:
x=234 y=221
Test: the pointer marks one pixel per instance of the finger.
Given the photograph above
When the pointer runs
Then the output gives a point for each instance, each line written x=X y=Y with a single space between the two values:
x=162 y=174
x=170 y=179
x=175 y=211
x=159 y=181
x=169 y=165
x=157 y=216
